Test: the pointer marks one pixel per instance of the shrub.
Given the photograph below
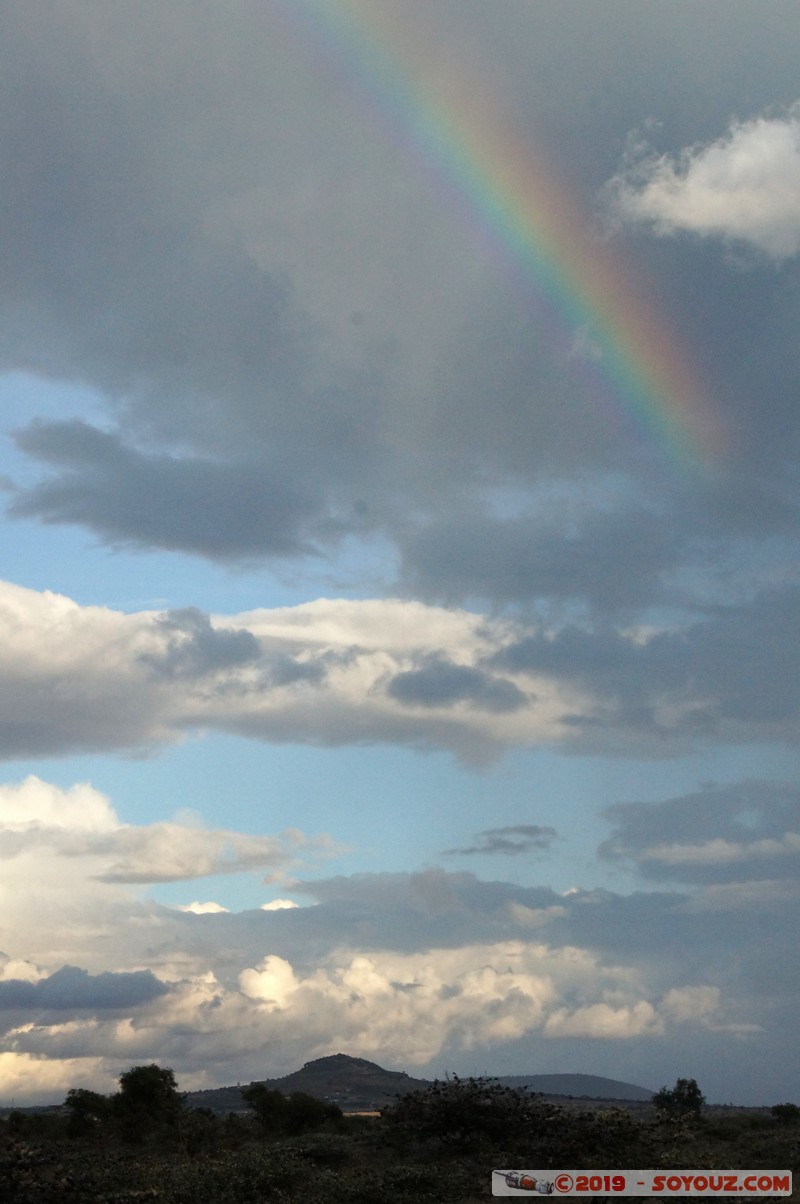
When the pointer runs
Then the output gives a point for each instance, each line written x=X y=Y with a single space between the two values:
x=460 y=1112
x=785 y=1114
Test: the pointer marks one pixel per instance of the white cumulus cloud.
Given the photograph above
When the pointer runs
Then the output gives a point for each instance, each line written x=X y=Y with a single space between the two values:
x=744 y=187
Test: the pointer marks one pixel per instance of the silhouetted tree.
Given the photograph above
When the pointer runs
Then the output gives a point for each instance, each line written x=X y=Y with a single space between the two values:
x=148 y=1100
x=88 y=1110
x=305 y=1113
x=279 y=1114
x=685 y=1099
x=269 y=1105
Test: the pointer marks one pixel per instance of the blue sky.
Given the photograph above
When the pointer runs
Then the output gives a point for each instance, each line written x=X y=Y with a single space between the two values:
x=334 y=573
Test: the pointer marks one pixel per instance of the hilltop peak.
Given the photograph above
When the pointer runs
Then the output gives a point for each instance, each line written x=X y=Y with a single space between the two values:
x=342 y=1061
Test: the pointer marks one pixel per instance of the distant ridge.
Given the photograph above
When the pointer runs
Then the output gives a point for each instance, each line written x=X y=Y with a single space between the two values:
x=580 y=1086
x=356 y=1084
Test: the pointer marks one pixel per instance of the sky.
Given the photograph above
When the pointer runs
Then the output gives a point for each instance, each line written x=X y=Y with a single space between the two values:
x=400 y=599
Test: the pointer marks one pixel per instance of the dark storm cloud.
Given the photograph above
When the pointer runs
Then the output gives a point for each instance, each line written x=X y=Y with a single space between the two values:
x=520 y=559
x=108 y=269
x=735 y=670
x=511 y=841
x=721 y=834
x=73 y=989
x=441 y=683
x=221 y=510
x=197 y=212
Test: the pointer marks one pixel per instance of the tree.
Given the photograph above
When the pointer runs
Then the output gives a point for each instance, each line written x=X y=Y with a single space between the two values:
x=87 y=1111
x=685 y=1099
x=269 y=1105
x=277 y=1114
x=148 y=1100
x=305 y=1113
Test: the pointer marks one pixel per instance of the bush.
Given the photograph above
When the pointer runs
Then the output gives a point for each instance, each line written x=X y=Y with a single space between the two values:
x=461 y=1112
x=785 y=1114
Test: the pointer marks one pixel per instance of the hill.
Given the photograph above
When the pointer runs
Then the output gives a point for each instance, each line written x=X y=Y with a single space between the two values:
x=578 y=1086
x=357 y=1085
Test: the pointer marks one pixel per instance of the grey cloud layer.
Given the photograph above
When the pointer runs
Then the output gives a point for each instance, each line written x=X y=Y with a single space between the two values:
x=719 y=835
x=718 y=677
x=294 y=342
x=221 y=510
x=72 y=989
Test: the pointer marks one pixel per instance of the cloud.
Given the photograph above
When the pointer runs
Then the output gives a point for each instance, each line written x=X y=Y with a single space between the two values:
x=401 y=1007
x=153 y=500
x=37 y=1080
x=80 y=825
x=603 y=1020
x=743 y=188
x=442 y=683
x=572 y=554
x=195 y=648
x=166 y=852
x=292 y=346
x=193 y=252
x=724 y=834
x=329 y=672
x=32 y=806
x=719 y=678
x=201 y=909
x=405 y=968
x=513 y=840
x=340 y=671
x=692 y=1003
x=294 y=353
x=18 y=969
x=73 y=989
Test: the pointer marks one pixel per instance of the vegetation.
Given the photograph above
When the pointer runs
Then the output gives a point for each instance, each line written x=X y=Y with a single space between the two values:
x=684 y=1100
x=288 y=1115
x=786 y=1113
x=435 y=1144
x=148 y=1102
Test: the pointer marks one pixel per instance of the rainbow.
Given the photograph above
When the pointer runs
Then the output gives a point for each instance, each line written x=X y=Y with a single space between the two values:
x=494 y=177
